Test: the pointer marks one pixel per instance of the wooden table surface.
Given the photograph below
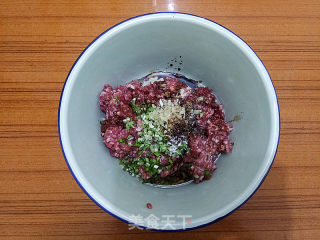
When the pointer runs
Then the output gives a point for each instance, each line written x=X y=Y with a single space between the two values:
x=40 y=40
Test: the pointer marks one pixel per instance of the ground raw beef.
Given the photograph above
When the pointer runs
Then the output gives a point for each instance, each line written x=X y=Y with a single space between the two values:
x=163 y=129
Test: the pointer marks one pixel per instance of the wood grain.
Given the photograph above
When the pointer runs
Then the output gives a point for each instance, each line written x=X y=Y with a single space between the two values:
x=40 y=40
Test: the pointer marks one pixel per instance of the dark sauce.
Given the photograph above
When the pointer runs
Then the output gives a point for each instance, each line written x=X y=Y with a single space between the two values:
x=190 y=82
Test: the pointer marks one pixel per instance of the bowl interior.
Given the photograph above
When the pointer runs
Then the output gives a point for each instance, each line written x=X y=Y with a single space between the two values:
x=209 y=53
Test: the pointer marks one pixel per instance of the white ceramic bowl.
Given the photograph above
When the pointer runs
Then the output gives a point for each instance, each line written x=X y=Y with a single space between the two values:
x=209 y=52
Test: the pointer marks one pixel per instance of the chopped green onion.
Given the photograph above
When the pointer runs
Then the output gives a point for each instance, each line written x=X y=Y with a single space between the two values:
x=126 y=120
x=122 y=140
x=200 y=99
x=129 y=123
x=206 y=173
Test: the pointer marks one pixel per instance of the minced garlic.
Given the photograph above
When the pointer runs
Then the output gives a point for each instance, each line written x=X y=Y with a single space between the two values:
x=167 y=110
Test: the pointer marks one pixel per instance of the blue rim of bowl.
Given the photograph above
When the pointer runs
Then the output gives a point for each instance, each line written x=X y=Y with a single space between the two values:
x=112 y=214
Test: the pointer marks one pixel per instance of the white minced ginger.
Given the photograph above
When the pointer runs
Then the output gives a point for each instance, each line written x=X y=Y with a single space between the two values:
x=184 y=91
x=167 y=110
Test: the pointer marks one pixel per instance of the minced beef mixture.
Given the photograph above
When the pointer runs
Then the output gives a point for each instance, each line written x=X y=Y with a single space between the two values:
x=163 y=130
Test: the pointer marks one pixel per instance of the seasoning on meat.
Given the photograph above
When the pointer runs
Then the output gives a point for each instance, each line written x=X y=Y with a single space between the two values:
x=163 y=130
